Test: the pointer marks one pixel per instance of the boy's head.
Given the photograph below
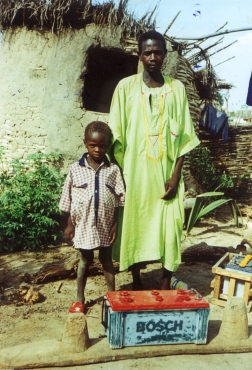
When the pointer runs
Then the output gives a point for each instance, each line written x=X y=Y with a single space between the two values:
x=97 y=139
x=98 y=126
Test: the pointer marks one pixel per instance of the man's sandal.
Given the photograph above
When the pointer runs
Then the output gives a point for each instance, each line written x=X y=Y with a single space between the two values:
x=76 y=307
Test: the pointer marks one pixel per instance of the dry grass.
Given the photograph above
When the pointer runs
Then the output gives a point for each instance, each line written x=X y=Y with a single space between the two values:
x=60 y=14
x=205 y=81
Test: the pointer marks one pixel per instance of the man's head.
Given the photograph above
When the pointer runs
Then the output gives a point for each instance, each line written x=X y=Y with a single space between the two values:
x=151 y=35
x=97 y=139
x=152 y=50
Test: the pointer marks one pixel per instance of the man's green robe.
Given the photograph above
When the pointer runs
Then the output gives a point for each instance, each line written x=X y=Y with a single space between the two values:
x=151 y=129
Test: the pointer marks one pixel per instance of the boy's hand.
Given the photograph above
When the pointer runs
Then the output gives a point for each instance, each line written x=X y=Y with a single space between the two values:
x=113 y=233
x=171 y=188
x=69 y=232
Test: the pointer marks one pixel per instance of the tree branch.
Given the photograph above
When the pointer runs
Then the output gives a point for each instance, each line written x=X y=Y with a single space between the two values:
x=212 y=34
x=224 y=61
x=172 y=22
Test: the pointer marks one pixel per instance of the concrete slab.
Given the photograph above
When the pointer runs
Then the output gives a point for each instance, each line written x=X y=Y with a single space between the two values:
x=53 y=353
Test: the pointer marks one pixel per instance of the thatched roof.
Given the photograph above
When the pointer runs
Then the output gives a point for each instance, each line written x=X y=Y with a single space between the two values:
x=206 y=80
x=206 y=83
x=59 y=14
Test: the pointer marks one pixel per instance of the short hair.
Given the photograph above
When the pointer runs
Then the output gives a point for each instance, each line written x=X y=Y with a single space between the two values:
x=151 y=35
x=99 y=126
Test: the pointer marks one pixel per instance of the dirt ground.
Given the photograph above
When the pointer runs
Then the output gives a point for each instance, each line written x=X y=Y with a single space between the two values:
x=24 y=323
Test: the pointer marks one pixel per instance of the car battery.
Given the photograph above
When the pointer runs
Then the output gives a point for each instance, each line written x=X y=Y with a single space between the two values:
x=155 y=317
x=241 y=265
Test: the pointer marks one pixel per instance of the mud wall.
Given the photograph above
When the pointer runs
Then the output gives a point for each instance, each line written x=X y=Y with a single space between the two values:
x=41 y=90
x=42 y=85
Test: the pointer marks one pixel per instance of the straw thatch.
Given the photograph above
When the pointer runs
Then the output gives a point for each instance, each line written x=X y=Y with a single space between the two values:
x=206 y=81
x=186 y=75
x=232 y=157
x=59 y=14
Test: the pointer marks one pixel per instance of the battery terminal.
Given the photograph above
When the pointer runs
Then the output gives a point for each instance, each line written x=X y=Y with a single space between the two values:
x=245 y=260
x=124 y=293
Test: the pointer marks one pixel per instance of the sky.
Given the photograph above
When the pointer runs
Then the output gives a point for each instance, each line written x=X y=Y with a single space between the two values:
x=204 y=17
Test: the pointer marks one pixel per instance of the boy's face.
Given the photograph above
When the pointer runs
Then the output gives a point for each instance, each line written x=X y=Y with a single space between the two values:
x=152 y=55
x=97 y=145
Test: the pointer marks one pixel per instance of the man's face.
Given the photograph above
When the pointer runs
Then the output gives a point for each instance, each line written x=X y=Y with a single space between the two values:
x=152 y=55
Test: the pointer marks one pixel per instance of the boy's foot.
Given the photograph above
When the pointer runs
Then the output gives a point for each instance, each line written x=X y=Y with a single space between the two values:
x=76 y=307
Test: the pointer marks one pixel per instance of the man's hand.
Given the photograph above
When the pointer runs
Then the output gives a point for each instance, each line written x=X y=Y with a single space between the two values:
x=171 y=188
x=113 y=233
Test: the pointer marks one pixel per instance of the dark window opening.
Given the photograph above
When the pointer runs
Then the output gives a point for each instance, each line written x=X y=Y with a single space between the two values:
x=105 y=68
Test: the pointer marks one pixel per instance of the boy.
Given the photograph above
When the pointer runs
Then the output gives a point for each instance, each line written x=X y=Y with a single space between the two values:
x=91 y=195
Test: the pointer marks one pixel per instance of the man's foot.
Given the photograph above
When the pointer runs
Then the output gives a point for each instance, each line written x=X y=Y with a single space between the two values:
x=137 y=285
x=76 y=307
x=135 y=271
x=165 y=285
x=166 y=282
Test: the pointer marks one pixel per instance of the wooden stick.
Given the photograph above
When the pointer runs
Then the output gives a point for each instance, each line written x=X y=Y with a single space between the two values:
x=213 y=34
x=224 y=61
x=174 y=19
x=59 y=286
x=246 y=291
x=204 y=50
x=199 y=60
x=217 y=286
x=231 y=287
x=221 y=27
x=194 y=45
x=223 y=48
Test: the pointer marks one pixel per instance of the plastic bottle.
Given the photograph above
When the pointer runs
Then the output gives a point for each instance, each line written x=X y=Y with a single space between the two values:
x=177 y=284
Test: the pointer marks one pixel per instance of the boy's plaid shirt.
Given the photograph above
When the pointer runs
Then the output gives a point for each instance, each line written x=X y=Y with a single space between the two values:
x=91 y=197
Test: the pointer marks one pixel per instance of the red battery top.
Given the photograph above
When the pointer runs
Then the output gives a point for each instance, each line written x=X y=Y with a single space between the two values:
x=155 y=300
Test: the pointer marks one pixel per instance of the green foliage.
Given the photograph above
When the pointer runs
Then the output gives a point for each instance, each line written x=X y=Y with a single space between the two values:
x=204 y=171
x=29 y=195
x=202 y=207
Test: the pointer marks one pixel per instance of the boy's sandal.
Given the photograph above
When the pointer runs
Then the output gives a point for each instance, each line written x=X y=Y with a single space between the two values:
x=76 y=307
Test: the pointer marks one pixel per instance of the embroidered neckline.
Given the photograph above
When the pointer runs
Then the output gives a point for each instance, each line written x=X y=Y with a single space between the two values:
x=165 y=89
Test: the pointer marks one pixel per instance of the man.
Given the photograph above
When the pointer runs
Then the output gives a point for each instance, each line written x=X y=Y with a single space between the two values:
x=152 y=131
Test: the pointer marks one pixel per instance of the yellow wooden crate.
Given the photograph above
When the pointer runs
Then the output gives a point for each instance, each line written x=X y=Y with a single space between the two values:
x=220 y=273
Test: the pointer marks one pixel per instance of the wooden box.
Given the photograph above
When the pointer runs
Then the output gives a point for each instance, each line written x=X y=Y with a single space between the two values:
x=235 y=278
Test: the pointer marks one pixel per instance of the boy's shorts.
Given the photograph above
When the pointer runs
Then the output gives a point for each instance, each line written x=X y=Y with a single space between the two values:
x=105 y=253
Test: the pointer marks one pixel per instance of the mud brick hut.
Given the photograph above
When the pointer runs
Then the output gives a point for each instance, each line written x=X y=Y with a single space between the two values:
x=60 y=62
